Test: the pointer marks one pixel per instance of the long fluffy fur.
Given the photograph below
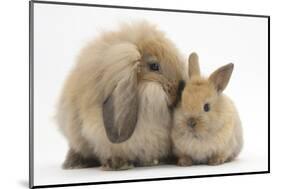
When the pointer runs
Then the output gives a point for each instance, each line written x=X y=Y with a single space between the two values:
x=101 y=65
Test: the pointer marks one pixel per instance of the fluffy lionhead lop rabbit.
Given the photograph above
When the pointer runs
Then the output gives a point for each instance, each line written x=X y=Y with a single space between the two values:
x=207 y=128
x=115 y=108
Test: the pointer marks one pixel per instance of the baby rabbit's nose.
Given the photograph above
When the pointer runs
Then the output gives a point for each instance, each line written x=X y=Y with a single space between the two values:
x=191 y=122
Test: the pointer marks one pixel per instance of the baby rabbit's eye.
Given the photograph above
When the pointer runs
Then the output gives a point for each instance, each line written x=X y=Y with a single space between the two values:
x=206 y=107
x=154 y=66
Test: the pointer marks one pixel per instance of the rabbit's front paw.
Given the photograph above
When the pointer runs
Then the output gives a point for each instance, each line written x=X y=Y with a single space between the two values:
x=153 y=162
x=117 y=163
x=185 y=161
x=217 y=159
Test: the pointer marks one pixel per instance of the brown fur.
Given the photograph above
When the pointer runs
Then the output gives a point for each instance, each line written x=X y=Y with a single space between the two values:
x=216 y=136
x=76 y=160
x=102 y=66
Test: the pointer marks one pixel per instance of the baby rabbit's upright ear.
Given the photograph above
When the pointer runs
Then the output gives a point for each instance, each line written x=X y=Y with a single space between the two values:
x=193 y=66
x=221 y=76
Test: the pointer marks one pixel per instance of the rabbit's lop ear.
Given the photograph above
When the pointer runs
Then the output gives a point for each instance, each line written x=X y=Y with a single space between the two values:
x=120 y=110
x=221 y=76
x=193 y=65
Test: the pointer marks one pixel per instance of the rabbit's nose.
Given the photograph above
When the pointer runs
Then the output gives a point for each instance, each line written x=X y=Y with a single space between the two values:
x=191 y=122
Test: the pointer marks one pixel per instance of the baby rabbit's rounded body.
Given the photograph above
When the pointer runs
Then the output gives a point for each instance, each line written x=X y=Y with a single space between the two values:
x=207 y=127
x=115 y=108
x=211 y=146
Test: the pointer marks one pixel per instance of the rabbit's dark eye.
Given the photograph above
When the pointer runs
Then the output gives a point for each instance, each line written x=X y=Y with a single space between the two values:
x=154 y=66
x=206 y=107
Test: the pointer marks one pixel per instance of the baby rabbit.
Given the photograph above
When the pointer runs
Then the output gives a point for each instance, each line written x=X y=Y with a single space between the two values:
x=206 y=126
x=116 y=105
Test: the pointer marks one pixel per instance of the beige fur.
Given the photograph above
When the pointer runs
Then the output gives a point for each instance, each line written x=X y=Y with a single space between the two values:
x=217 y=135
x=112 y=58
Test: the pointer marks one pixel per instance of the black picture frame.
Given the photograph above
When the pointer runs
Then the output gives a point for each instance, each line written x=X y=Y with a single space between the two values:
x=31 y=92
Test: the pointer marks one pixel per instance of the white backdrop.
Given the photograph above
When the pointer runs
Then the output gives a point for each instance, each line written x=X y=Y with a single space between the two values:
x=61 y=31
x=14 y=92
